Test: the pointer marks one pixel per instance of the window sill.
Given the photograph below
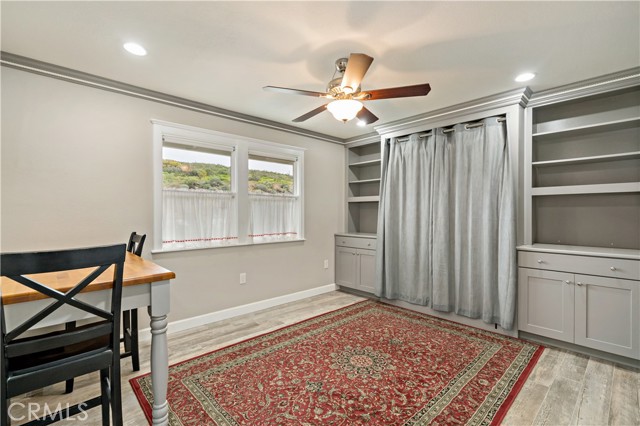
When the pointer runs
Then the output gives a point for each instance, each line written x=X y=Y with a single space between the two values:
x=161 y=251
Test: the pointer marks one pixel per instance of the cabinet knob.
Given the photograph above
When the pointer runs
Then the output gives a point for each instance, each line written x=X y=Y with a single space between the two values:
x=568 y=282
x=539 y=260
x=579 y=283
x=613 y=268
x=368 y=244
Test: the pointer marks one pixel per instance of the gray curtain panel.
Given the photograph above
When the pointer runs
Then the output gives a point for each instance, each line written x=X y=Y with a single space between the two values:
x=446 y=225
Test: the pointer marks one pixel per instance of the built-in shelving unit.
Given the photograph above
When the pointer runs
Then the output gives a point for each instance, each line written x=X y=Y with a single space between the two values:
x=363 y=186
x=579 y=266
x=584 y=171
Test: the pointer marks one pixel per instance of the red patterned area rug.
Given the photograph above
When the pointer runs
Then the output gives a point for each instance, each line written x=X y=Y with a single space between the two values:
x=366 y=364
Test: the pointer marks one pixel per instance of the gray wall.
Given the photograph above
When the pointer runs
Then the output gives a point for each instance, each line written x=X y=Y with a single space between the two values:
x=77 y=171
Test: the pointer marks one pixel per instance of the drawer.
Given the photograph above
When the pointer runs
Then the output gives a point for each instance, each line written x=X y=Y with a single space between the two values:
x=356 y=242
x=602 y=266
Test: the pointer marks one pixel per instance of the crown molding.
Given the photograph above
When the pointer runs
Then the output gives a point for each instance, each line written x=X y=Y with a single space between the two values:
x=368 y=138
x=78 y=77
x=513 y=97
x=606 y=83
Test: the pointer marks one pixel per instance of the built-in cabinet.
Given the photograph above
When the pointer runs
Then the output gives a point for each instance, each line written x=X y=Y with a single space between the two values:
x=558 y=298
x=579 y=266
x=356 y=261
x=355 y=249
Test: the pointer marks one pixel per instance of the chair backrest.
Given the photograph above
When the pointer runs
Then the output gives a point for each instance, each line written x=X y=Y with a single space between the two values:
x=94 y=261
x=136 y=243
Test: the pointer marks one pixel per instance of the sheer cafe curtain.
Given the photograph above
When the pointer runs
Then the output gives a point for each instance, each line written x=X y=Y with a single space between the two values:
x=273 y=217
x=447 y=224
x=197 y=218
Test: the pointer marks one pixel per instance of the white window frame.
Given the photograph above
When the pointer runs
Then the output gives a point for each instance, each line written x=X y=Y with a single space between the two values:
x=240 y=148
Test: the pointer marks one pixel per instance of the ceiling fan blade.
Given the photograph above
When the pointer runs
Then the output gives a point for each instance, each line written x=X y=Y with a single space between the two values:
x=296 y=92
x=310 y=114
x=367 y=116
x=357 y=67
x=397 y=92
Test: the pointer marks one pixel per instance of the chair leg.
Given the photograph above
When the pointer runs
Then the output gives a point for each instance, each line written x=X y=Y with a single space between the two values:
x=68 y=387
x=116 y=396
x=4 y=412
x=104 y=396
x=135 y=356
x=126 y=330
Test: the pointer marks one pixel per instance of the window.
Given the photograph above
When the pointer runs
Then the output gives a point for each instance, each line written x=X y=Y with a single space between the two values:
x=198 y=205
x=213 y=189
x=273 y=203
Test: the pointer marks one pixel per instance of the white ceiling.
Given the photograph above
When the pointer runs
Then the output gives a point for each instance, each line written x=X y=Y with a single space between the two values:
x=223 y=53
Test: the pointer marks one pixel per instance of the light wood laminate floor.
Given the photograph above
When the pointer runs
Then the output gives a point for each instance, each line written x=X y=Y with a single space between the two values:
x=565 y=388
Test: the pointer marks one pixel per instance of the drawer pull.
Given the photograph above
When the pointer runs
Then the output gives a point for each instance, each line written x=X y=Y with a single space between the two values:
x=539 y=260
x=613 y=268
x=344 y=242
x=568 y=282
x=368 y=244
x=579 y=283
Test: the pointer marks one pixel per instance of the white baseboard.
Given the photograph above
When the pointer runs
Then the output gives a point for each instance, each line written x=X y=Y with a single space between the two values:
x=185 y=324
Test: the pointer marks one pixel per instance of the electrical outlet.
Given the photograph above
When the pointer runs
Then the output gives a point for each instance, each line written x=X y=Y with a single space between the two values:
x=326 y=264
x=243 y=278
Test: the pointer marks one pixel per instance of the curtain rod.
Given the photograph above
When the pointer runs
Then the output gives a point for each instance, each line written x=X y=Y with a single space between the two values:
x=451 y=130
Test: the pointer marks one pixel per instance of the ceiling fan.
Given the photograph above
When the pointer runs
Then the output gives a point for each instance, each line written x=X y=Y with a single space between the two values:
x=346 y=94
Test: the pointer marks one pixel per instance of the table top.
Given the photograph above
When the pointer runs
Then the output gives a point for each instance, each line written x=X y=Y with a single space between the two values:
x=136 y=271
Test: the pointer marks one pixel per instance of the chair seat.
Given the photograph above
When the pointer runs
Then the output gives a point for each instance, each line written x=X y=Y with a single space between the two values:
x=59 y=370
x=39 y=359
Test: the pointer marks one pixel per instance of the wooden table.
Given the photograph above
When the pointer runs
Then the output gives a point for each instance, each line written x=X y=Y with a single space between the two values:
x=144 y=284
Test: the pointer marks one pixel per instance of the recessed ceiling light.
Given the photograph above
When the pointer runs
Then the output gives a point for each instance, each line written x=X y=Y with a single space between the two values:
x=362 y=123
x=525 y=76
x=135 y=49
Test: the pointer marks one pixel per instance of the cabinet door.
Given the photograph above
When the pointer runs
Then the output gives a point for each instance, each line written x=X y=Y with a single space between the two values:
x=607 y=316
x=545 y=303
x=346 y=267
x=367 y=270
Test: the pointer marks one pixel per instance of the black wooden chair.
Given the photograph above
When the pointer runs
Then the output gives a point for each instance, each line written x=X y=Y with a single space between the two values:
x=130 y=318
x=30 y=363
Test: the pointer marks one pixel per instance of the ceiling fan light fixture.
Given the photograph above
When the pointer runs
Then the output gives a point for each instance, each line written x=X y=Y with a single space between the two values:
x=344 y=109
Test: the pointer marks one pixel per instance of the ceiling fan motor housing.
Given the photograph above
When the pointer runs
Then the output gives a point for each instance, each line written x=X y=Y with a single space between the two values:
x=334 y=87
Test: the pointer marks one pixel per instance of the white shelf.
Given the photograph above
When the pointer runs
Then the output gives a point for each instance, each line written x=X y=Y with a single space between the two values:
x=594 y=159
x=367 y=199
x=365 y=163
x=365 y=181
x=583 y=250
x=605 y=188
x=592 y=122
